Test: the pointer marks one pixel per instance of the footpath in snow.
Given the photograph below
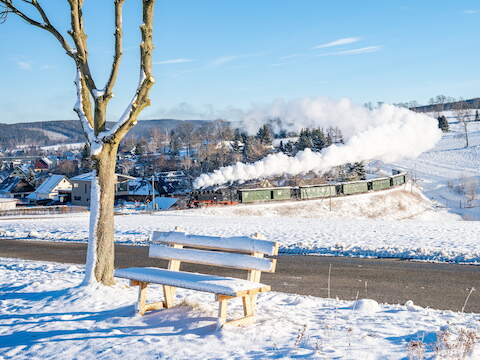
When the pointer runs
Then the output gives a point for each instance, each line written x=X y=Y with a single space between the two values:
x=44 y=315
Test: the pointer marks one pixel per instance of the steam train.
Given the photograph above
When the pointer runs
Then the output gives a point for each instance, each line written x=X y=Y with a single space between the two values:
x=233 y=196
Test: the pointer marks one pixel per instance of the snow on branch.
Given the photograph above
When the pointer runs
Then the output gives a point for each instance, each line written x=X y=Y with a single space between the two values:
x=94 y=141
x=126 y=116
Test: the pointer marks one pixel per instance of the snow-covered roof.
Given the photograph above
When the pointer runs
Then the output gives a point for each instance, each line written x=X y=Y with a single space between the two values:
x=140 y=187
x=88 y=177
x=9 y=184
x=83 y=177
x=15 y=185
x=47 y=161
x=49 y=184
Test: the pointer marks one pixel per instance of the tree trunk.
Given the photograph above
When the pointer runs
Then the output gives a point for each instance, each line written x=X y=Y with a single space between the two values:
x=104 y=230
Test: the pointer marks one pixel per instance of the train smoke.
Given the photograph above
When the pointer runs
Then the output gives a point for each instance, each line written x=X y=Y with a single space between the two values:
x=388 y=133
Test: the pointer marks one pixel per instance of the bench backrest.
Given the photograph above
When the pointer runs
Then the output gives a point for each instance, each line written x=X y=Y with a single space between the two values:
x=244 y=253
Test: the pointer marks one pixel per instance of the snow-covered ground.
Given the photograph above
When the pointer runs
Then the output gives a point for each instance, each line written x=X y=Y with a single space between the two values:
x=450 y=173
x=45 y=315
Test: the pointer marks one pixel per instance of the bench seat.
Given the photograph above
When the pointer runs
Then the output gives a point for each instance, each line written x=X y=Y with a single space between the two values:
x=201 y=282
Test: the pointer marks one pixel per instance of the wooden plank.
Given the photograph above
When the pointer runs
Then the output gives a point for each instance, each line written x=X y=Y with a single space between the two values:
x=215 y=258
x=154 y=306
x=253 y=292
x=242 y=321
x=238 y=243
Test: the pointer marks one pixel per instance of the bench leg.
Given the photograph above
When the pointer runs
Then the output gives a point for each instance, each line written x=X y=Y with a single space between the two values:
x=248 y=311
x=253 y=302
x=142 y=297
x=142 y=307
x=222 y=312
x=169 y=294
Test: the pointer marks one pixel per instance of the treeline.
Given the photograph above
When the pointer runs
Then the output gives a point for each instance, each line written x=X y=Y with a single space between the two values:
x=212 y=145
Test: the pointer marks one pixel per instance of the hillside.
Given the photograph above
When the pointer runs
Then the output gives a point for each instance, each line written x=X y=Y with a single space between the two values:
x=42 y=133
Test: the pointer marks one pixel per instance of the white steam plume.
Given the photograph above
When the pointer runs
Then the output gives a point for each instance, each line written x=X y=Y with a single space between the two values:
x=388 y=133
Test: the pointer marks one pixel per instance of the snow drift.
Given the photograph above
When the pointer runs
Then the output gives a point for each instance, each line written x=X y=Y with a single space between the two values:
x=388 y=133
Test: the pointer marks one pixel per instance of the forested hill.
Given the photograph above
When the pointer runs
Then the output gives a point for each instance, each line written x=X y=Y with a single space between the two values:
x=70 y=131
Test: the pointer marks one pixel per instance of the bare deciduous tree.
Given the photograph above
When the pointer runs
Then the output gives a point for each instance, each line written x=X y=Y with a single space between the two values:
x=463 y=113
x=91 y=108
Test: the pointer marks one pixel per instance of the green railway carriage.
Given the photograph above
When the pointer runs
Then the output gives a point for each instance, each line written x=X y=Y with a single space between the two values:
x=255 y=195
x=355 y=187
x=381 y=184
x=398 y=179
x=317 y=191
x=282 y=193
x=269 y=194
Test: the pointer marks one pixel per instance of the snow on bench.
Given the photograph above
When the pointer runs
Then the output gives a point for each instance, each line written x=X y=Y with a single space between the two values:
x=193 y=281
x=244 y=253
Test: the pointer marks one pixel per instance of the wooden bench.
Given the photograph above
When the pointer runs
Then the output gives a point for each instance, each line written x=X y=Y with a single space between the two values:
x=245 y=253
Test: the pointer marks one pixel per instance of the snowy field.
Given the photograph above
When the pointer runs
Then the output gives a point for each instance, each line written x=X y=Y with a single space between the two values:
x=44 y=315
x=450 y=173
x=412 y=239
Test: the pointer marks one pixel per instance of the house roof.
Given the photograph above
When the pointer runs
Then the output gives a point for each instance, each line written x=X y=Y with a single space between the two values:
x=49 y=184
x=83 y=177
x=47 y=161
x=88 y=177
x=15 y=185
x=140 y=187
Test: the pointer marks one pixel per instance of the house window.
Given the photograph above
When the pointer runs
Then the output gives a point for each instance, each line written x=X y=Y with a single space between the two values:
x=85 y=186
x=75 y=185
x=77 y=198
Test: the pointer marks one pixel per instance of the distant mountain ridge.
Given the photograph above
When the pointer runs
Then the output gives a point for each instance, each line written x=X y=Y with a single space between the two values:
x=43 y=133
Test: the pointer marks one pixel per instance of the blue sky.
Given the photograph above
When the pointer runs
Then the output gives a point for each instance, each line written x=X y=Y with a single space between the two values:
x=213 y=55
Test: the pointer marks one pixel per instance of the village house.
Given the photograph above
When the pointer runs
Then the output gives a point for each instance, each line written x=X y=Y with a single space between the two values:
x=42 y=164
x=16 y=187
x=81 y=187
x=55 y=187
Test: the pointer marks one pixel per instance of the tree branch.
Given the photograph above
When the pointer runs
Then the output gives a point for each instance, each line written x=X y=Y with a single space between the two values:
x=95 y=144
x=118 y=50
x=80 y=39
x=140 y=100
x=46 y=25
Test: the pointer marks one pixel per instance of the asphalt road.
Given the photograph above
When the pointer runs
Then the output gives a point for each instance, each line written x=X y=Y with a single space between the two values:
x=439 y=286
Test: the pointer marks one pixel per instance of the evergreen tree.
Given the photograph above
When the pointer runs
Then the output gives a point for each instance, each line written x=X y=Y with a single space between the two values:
x=358 y=170
x=237 y=135
x=443 y=123
x=289 y=148
x=318 y=140
x=477 y=117
x=265 y=134
x=304 y=140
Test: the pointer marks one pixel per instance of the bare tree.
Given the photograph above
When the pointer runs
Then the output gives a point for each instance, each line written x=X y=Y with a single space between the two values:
x=91 y=108
x=463 y=113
